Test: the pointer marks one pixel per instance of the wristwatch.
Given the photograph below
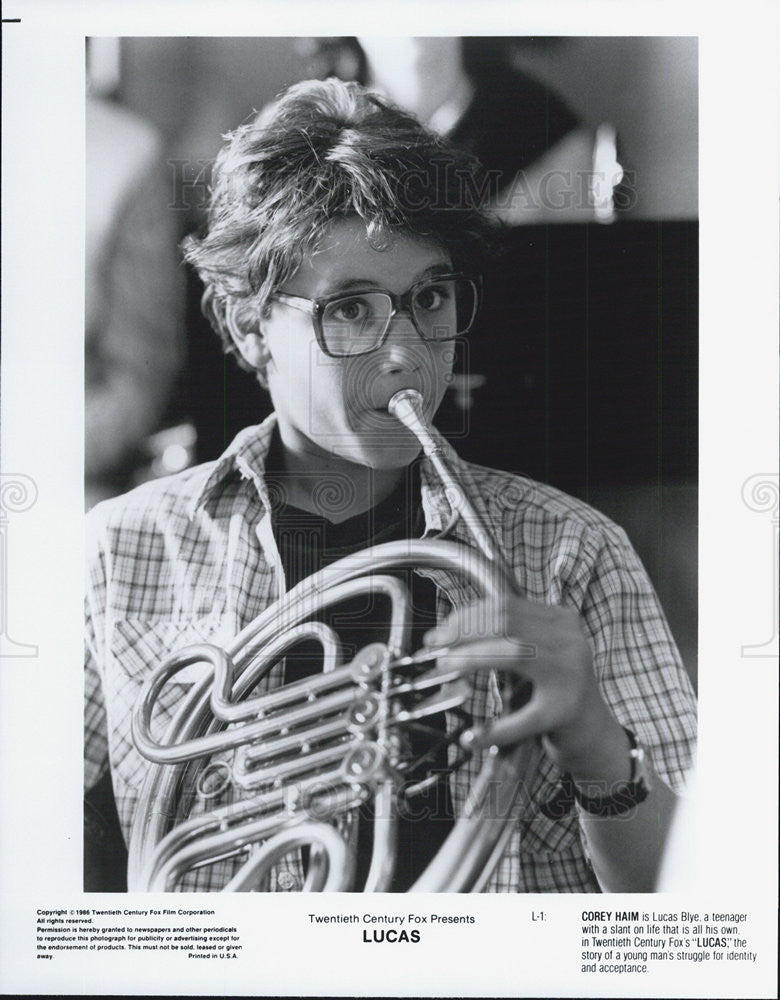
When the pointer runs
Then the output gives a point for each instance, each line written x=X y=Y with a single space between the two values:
x=622 y=798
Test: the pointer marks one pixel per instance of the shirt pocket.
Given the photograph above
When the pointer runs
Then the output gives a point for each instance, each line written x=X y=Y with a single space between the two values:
x=138 y=647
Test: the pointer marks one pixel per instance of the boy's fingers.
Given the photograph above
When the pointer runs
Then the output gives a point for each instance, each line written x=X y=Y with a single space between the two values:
x=504 y=654
x=480 y=620
x=508 y=730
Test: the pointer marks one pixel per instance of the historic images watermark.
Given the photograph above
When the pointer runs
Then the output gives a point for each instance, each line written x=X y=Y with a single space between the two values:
x=189 y=189
x=761 y=493
x=18 y=493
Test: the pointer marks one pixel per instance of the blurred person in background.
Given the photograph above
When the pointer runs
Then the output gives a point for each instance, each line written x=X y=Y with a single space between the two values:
x=467 y=90
x=134 y=347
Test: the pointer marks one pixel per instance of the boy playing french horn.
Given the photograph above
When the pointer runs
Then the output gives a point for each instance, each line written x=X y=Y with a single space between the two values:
x=340 y=264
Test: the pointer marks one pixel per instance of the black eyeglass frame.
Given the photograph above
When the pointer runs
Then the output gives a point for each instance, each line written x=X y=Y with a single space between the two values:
x=399 y=303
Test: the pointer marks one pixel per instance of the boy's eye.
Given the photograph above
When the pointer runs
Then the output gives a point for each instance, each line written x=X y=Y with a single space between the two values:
x=350 y=310
x=431 y=298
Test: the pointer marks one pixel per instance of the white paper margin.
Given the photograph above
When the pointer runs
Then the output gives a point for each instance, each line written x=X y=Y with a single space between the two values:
x=507 y=953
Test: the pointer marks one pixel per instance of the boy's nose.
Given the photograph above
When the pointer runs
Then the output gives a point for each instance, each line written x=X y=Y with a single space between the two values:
x=398 y=359
x=401 y=348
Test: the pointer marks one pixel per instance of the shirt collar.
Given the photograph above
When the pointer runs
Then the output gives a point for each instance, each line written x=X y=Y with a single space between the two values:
x=248 y=452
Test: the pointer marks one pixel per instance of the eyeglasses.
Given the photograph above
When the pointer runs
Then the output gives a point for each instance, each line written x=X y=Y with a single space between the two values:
x=346 y=325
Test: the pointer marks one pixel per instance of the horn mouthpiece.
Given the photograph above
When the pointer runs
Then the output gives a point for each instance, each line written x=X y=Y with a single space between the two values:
x=405 y=401
x=406 y=405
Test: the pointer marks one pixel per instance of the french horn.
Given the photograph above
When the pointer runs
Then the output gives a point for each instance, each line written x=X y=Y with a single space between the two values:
x=302 y=759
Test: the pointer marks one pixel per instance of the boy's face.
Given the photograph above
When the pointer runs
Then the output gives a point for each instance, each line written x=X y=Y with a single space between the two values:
x=339 y=405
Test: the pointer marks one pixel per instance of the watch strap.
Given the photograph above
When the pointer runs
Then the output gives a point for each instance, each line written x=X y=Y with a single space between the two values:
x=623 y=798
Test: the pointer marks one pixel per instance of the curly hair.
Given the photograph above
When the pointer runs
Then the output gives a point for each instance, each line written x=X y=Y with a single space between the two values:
x=326 y=150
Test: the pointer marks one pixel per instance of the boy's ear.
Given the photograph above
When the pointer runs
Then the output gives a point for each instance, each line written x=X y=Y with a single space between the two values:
x=246 y=333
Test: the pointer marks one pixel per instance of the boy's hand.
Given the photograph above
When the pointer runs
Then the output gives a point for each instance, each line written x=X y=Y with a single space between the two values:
x=546 y=646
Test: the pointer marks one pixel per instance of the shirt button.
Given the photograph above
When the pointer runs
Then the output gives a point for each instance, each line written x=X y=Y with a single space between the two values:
x=286 y=880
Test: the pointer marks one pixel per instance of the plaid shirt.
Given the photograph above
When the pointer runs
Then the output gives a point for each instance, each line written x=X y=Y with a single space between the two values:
x=192 y=558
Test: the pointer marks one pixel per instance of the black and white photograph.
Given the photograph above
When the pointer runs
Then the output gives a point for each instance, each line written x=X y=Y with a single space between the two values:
x=414 y=238
x=382 y=492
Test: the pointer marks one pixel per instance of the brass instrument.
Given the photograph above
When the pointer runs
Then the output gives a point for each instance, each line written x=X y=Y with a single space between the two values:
x=304 y=757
